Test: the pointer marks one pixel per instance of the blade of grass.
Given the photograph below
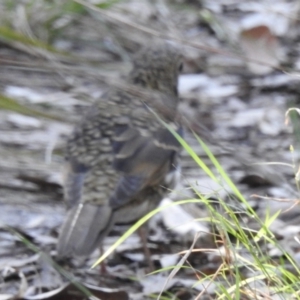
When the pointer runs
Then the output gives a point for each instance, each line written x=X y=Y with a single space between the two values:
x=13 y=105
x=138 y=224
x=9 y=35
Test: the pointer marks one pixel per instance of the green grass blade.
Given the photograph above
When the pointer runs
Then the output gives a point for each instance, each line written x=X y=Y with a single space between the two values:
x=9 y=35
x=12 y=105
x=138 y=224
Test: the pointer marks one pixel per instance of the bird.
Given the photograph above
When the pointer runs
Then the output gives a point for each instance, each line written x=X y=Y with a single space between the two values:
x=121 y=160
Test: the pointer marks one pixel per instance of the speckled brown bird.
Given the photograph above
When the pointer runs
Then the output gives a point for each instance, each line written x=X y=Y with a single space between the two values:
x=121 y=160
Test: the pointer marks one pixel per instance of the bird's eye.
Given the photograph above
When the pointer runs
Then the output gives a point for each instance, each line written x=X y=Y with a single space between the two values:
x=180 y=67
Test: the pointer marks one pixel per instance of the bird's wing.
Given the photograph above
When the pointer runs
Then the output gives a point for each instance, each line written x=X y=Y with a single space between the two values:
x=89 y=180
x=89 y=156
x=143 y=159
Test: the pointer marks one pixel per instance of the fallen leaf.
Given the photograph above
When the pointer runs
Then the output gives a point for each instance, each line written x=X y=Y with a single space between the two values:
x=261 y=48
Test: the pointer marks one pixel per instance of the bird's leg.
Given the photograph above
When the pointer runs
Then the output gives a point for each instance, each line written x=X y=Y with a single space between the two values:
x=103 y=269
x=143 y=233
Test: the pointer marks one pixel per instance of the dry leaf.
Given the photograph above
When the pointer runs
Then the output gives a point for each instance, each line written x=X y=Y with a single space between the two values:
x=260 y=45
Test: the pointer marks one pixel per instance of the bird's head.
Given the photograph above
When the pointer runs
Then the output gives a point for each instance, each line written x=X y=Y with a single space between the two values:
x=157 y=67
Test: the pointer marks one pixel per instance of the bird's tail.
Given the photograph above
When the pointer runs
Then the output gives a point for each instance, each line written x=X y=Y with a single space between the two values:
x=84 y=228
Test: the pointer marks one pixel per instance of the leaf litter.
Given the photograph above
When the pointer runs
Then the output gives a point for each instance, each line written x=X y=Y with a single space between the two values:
x=241 y=102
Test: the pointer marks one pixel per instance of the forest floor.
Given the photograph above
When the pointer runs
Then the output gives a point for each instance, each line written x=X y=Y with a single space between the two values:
x=237 y=107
